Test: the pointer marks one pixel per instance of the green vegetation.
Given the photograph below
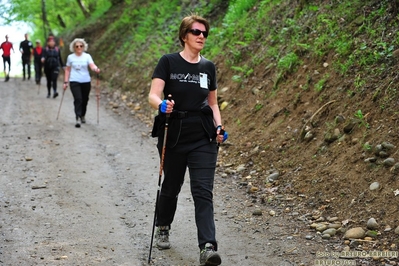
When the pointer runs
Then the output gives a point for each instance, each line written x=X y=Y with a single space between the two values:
x=258 y=106
x=320 y=84
x=362 y=120
x=288 y=62
x=245 y=70
x=367 y=147
x=60 y=17
x=357 y=38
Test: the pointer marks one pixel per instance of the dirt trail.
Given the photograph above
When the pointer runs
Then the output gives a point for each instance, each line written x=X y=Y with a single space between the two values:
x=86 y=196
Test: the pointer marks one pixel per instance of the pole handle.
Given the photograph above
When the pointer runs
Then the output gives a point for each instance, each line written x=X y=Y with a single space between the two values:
x=169 y=98
x=221 y=132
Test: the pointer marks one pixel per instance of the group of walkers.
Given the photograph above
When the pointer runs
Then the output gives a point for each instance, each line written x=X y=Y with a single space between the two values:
x=49 y=58
x=184 y=91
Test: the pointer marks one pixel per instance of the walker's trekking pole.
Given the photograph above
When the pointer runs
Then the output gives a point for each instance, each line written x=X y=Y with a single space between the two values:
x=62 y=98
x=160 y=178
x=98 y=97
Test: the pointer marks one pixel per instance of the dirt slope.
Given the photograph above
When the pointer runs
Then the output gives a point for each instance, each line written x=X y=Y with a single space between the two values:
x=267 y=122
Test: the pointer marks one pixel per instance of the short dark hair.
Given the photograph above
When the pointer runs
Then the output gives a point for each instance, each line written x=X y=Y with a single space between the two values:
x=187 y=23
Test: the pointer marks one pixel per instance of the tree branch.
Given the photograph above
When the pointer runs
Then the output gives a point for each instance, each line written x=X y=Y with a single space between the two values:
x=85 y=11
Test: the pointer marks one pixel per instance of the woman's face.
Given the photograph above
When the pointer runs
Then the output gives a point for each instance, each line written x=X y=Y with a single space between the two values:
x=78 y=47
x=195 y=38
x=51 y=43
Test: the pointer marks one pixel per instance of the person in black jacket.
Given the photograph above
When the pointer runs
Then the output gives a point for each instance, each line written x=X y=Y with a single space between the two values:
x=195 y=128
x=37 y=60
x=25 y=48
x=52 y=60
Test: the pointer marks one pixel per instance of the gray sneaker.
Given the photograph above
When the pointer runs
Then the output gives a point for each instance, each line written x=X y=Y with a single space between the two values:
x=162 y=237
x=209 y=256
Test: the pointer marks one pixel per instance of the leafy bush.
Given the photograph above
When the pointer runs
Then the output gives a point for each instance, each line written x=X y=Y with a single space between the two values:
x=288 y=62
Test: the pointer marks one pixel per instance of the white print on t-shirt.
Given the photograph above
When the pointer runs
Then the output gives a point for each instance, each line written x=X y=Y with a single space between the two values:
x=203 y=80
x=190 y=78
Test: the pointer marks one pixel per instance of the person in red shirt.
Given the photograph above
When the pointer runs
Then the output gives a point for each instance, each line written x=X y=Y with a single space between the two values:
x=37 y=60
x=6 y=47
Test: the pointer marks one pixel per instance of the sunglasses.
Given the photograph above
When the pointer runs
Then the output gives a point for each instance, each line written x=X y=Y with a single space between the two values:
x=79 y=46
x=198 y=32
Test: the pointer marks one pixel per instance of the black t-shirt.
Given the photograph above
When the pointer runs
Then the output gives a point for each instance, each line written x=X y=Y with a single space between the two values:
x=188 y=83
x=26 y=46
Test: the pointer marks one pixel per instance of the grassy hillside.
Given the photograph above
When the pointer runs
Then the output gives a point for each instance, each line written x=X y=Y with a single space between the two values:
x=309 y=90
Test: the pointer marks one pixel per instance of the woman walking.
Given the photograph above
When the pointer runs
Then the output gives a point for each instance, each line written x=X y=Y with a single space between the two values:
x=194 y=129
x=78 y=76
x=51 y=57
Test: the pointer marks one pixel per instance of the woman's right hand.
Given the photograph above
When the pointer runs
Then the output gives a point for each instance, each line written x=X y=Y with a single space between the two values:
x=166 y=106
x=65 y=86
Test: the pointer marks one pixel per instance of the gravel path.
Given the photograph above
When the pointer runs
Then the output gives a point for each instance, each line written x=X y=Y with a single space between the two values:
x=86 y=196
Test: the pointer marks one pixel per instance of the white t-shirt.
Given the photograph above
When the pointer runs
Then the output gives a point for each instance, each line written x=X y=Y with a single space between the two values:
x=79 y=67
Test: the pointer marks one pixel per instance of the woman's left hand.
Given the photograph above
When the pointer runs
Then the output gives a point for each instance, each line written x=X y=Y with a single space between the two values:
x=221 y=134
x=97 y=70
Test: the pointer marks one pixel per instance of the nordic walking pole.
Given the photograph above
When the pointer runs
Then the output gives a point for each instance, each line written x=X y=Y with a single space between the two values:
x=62 y=98
x=160 y=177
x=98 y=97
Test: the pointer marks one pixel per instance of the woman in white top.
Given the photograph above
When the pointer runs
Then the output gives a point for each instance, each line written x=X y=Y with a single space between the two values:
x=78 y=76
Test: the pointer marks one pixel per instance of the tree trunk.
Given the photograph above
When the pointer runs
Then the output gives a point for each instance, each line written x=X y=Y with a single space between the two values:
x=46 y=24
x=86 y=12
x=395 y=7
x=61 y=21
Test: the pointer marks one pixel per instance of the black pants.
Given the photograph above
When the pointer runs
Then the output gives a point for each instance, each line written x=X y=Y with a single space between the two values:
x=7 y=59
x=38 y=70
x=51 y=76
x=201 y=162
x=25 y=63
x=80 y=92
